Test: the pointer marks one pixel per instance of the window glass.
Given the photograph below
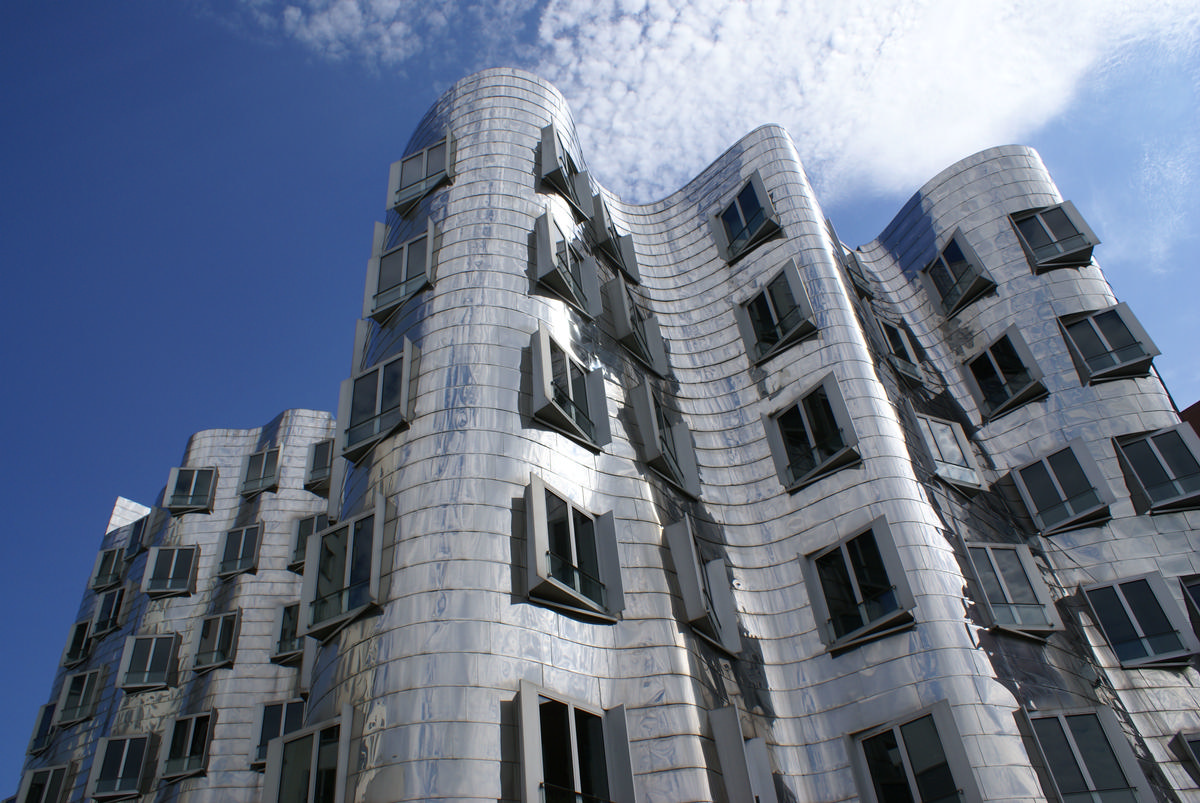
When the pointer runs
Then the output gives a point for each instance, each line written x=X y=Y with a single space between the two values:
x=344 y=571
x=172 y=570
x=189 y=745
x=855 y=584
x=1058 y=488
x=121 y=767
x=1081 y=759
x=217 y=635
x=1134 y=621
x=1164 y=465
x=241 y=550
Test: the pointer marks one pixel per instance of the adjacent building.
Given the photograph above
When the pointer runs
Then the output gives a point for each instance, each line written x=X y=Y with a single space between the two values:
x=682 y=501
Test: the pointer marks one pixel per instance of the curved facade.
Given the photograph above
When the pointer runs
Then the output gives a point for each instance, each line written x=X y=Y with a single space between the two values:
x=686 y=501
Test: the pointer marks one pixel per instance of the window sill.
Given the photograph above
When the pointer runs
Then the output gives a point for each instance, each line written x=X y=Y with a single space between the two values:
x=328 y=628
x=845 y=458
x=980 y=287
x=894 y=623
x=554 y=417
x=798 y=334
x=554 y=593
x=1088 y=518
x=1032 y=392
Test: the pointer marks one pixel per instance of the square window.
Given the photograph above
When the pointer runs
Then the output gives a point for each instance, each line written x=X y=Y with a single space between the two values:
x=636 y=329
x=1141 y=621
x=109 y=606
x=571 y=751
x=777 y=316
x=217 y=641
x=320 y=467
x=666 y=441
x=77 y=701
x=1108 y=344
x=1013 y=593
x=1161 y=467
x=921 y=758
x=239 y=553
x=275 y=720
x=1004 y=376
x=107 y=571
x=745 y=767
x=191 y=490
x=567 y=396
x=559 y=173
x=616 y=247
x=813 y=437
x=704 y=585
x=377 y=402
x=900 y=351
x=1054 y=237
x=341 y=572
x=420 y=173
x=262 y=472
x=1087 y=757
x=120 y=768
x=187 y=752
x=309 y=765
x=136 y=541
x=864 y=593
x=747 y=220
x=564 y=267
x=79 y=645
x=948 y=445
x=43 y=731
x=399 y=271
x=171 y=571
x=572 y=557
x=289 y=646
x=954 y=276
x=149 y=662
x=1064 y=490
x=44 y=785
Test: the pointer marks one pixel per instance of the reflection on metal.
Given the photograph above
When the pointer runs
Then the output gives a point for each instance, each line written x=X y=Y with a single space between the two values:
x=431 y=671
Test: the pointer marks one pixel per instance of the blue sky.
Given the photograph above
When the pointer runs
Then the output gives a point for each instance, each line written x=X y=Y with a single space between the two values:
x=189 y=190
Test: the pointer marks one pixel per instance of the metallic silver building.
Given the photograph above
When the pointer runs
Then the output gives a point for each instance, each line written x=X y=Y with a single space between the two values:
x=682 y=501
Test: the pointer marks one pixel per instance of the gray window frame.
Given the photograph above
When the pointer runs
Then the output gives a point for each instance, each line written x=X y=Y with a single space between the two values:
x=554 y=396
x=379 y=304
x=396 y=419
x=319 y=521
x=745 y=765
x=1184 y=499
x=846 y=454
x=326 y=627
x=564 y=266
x=287 y=653
x=72 y=658
x=1114 y=735
x=101 y=627
x=44 y=728
x=964 y=475
x=1168 y=607
x=1017 y=396
x=1086 y=516
x=995 y=617
x=731 y=250
x=192 y=502
x=405 y=197
x=136 y=784
x=704 y=586
x=802 y=328
x=244 y=563
x=56 y=791
x=108 y=569
x=1132 y=366
x=135 y=541
x=274 y=763
x=317 y=477
x=170 y=673
x=635 y=328
x=228 y=622
x=558 y=172
x=975 y=280
x=252 y=486
x=666 y=440
x=170 y=586
x=259 y=758
x=89 y=693
x=172 y=767
x=906 y=364
x=609 y=241
x=1057 y=253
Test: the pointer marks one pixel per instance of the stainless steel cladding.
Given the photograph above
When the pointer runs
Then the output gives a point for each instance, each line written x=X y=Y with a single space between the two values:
x=670 y=502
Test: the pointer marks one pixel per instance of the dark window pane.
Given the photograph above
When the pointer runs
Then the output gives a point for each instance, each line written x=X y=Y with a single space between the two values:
x=886 y=766
x=1096 y=752
x=1059 y=756
x=1116 y=624
x=1156 y=627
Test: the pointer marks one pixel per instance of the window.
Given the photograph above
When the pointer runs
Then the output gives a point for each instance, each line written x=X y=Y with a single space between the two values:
x=636 y=329
x=1141 y=621
x=617 y=247
x=666 y=441
x=187 y=753
x=564 y=268
x=171 y=571
x=149 y=662
x=1014 y=596
x=572 y=752
x=558 y=172
x=953 y=459
x=1108 y=344
x=954 y=277
x=399 y=271
x=44 y=785
x=341 y=572
x=864 y=593
x=1004 y=376
x=377 y=402
x=240 y=553
x=813 y=437
x=217 y=641
x=745 y=768
x=567 y=396
x=304 y=528
x=309 y=765
x=1087 y=757
x=1055 y=237
x=704 y=585
x=919 y=759
x=79 y=644
x=1189 y=742
x=1162 y=468
x=900 y=351
x=120 y=767
x=777 y=316
x=746 y=221
x=78 y=698
x=43 y=732
x=277 y=719
x=107 y=571
x=262 y=472
x=108 y=612
x=417 y=175
x=572 y=555
x=320 y=467
x=137 y=537
x=1064 y=490
x=191 y=490
x=289 y=647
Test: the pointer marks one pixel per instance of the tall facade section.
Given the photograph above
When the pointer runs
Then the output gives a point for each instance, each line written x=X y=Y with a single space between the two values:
x=683 y=501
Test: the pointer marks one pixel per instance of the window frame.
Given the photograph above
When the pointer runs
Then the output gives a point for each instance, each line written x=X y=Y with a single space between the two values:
x=259 y=757
x=542 y=585
x=379 y=305
x=73 y=658
x=243 y=564
x=275 y=748
x=135 y=541
x=102 y=627
x=252 y=486
x=908 y=365
x=704 y=586
x=93 y=684
x=44 y=729
x=1089 y=516
x=730 y=248
x=966 y=475
x=57 y=791
x=295 y=654
x=804 y=328
x=168 y=773
x=405 y=198
x=1032 y=390
x=558 y=171
x=1074 y=256
x=151 y=585
x=317 y=477
x=635 y=328
x=745 y=765
x=1183 y=500
x=1134 y=367
x=846 y=454
x=895 y=620
x=192 y=503
x=381 y=428
x=580 y=287
x=1114 y=735
x=144 y=768
x=1168 y=607
x=320 y=521
x=1037 y=585
x=112 y=560
x=617 y=247
x=666 y=440
x=329 y=626
x=215 y=659
x=554 y=409
x=977 y=281
x=170 y=673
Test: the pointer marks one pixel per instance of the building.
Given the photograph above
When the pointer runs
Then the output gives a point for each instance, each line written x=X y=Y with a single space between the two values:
x=683 y=501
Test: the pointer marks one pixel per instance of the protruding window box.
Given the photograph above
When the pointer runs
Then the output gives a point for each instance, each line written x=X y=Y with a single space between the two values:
x=45 y=785
x=955 y=277
x=1108 y=344
x=187 y=751
x=564 y=267
x=149 y=662
x=240 y=552
x=950 y=449
x=289 y=645
x=171 y=571
x=1055 y=237
x=305 y=527
x=567 y=396
x=420 y=173
x=777 y=316
x=636 y=329
x=1087 y=757
x=320 y=467
x=813 y=437
x=617 y=247
x=261 y=472
x=79 y=644
x=216 y=643
x=341 y=573
x=1142 y=622
x=1011 y=590
x=123 y=768
x=1004 y=376
x=398 y=272
x=704 y=585
x=1161 y=468
x=900 y=352
x=746 y=220
x=43 y=731
x=77 y=701
x=558 y=172
x=110 y=605
x=107 y=571
x=191 y=490
x=1065 y=490
x=303 y=761
x=745 y=766
x=377 y=402
x=666 y=441
x=275 y=720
